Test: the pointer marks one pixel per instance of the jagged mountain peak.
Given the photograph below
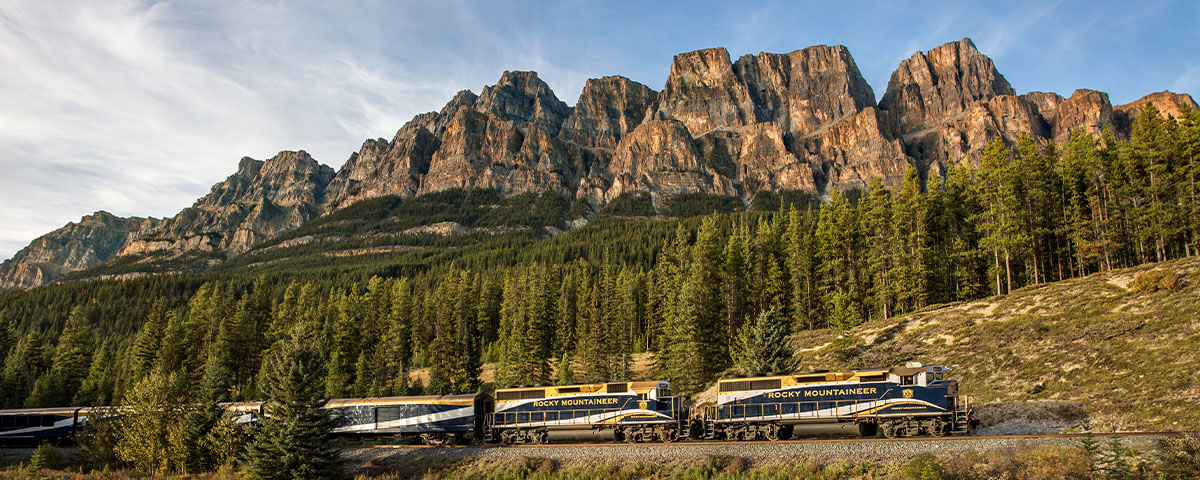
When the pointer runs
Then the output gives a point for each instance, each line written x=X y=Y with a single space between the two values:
x=802 y=120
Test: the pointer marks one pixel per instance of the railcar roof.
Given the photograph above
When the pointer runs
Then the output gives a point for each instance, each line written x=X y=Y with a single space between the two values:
x=43 y=411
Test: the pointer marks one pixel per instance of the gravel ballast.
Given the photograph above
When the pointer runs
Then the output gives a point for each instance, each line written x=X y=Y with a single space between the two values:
x=413 y=460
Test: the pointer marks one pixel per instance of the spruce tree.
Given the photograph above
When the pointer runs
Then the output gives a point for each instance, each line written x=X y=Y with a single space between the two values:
x=764 y=346
x=143 y=355
x=293 y=439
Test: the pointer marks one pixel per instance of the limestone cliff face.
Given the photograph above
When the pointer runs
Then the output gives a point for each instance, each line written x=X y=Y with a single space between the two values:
x=261 y=200
x=804 y=120
x=607 y=110
x=934 y=86
x=76 y=246
x=805 y=90
x=703 y=93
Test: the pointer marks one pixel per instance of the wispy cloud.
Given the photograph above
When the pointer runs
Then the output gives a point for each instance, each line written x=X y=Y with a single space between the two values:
x=1188 y=81
x=1008 y=30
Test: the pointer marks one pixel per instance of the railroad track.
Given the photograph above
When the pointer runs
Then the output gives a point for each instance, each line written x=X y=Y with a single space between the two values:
x=787 y=442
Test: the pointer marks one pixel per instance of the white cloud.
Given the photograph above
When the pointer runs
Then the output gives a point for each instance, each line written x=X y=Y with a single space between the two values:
x=137 y=108
x=1188 y=82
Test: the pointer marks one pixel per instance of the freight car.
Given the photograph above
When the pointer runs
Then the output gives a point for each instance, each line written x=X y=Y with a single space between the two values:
x=622 y=411
x=899 y=402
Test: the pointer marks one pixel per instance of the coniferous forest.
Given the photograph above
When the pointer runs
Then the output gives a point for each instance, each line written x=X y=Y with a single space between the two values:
x=707 y=295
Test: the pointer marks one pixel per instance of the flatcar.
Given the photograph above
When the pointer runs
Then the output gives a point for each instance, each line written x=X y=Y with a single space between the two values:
x=621 y=411
x=904 y=401
x=435 y=419
x=32 y=426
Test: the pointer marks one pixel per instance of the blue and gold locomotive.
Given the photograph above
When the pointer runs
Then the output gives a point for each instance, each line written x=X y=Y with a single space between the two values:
x=622 y=411
x=904 y=401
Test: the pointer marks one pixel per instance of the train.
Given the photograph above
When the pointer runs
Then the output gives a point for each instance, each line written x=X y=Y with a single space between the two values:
x=906 y=401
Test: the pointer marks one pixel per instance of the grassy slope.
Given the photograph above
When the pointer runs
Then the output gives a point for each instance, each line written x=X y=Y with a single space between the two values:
x=1132 y=358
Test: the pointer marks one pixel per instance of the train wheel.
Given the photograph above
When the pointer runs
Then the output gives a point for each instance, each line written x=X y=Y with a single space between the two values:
x=437 y=439
x=938 y=428
x=772 y=433
x=891 y=430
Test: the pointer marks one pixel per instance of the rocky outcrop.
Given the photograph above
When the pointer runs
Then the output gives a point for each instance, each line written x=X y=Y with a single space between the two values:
x=607 y=110
x=1167 y=103
x=932 y=87
x=1088 y=111
x=805 y=90
x=261 y=200
x=703 y=93
x=523 y=98
x=76 y=246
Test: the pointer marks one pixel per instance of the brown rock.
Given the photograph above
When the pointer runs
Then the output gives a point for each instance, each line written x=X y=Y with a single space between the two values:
x=849 y=153
x=258 y=202
x=523 y=98
x=608 y=108
x=74 y=247
x=703 y=93
x=964 y=137
x=930 y=88
x=806 y=89
x=1167 y=103
x=755 y=158
x=1088 y=111
x=479 y=150
x=660 y=157
x=382 y=168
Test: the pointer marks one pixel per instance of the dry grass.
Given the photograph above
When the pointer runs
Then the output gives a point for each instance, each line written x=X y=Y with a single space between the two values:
x=1130 y=356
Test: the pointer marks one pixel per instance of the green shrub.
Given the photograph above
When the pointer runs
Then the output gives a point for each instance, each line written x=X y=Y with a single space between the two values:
x=1179 y=457
x=46 y=456
x=923 y=467
x=1156 y=280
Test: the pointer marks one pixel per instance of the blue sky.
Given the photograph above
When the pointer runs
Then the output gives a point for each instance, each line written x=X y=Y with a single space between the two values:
x=138 y=107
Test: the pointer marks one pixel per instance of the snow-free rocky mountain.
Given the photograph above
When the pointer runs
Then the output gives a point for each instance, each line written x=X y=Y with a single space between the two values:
x=805 y=120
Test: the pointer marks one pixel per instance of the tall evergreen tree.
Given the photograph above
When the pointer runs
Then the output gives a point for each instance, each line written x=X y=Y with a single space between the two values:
x=25 y=363
x=293 y=439
x=764 y=346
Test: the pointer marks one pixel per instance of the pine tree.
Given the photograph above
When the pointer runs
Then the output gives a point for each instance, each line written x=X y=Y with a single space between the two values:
x=293 y=438
x=1003 y=216
x=70 y=365
x=694 y=359
x=143 y=355
x=764 y=346
x=910 y=218
x=881 y=244
x=592 y=342
x=99 y=387
x=565 y=373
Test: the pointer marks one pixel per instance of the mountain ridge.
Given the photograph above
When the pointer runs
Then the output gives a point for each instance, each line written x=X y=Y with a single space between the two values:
x=804 y=120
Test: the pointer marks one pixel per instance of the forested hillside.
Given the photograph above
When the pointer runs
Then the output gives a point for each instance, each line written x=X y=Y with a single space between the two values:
x=682 y=288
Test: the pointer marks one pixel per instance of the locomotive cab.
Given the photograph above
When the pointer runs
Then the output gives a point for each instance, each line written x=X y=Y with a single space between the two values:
x=920 y=375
